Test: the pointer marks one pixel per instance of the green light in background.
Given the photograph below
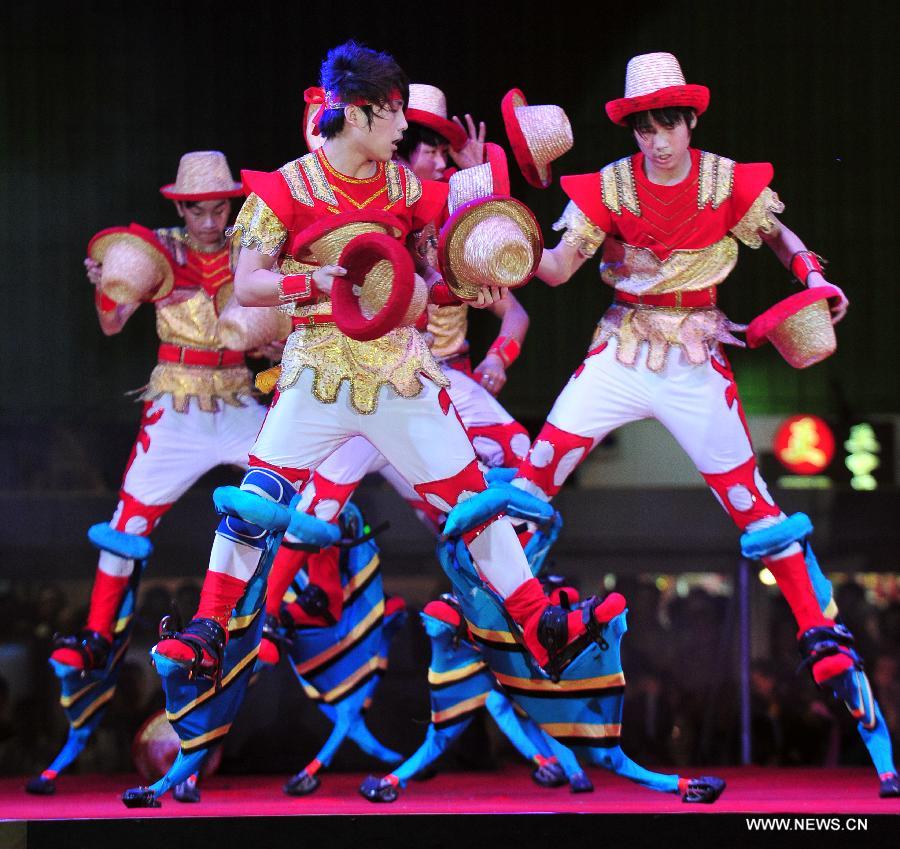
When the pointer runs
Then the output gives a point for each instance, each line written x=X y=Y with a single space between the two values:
x=862 y=457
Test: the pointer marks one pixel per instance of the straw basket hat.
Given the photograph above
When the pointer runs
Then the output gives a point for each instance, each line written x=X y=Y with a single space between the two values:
x=538 y=135
x=490 y=238
x=245 y=328
x=202 y=175
x=428 y=107
x=799 y=327
x=134 y=266
x=380 y=291
x=655 y=81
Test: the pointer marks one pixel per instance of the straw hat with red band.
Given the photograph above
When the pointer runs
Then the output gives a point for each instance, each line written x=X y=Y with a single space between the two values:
x=202 y=175
x=655 y=81
x=538 y=135
x=428 y=107
x=135 y=267
x=490 y=238
x=799 y=327
x=366 y=244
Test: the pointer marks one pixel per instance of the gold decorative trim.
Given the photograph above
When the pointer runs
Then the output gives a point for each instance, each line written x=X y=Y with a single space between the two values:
x=203 y=739
x=715 y=180
x=95 y=706
x=318 y=182
x=580 y=232
x=592 y=731
x=372 y=617
x=392 y=178
x=294 y=178
x=413 y=187
x=758 y=219
x=617 y=188
x=361 y=577
x=334 y=694
x=602 y=682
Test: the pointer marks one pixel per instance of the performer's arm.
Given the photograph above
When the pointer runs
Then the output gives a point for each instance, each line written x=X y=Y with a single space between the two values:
x=257 y=285
x=786 y=245
x=112 y=316
x=513 y=326
x=560 y=263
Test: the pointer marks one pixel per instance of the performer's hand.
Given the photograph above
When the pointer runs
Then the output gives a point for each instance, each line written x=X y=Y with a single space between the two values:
x=488 y=295
x=838 y=310
x=472 y=152
x=428 y=336
x=491 y=373
x=324 y=277
x=94 y=270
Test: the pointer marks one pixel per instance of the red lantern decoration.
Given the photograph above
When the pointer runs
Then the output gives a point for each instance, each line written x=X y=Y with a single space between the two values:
x=804 y=445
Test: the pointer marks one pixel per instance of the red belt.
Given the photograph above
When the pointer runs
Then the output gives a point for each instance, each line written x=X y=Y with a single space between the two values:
x=199 y=357
x=323 y=318
x=679 y=300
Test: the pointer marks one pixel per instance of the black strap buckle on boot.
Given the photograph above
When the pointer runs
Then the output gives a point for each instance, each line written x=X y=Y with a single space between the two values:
x=591 y=625
x=823 y=641
x=314 y=602
x=199 y=635
x=553 y=634
x=93 y=647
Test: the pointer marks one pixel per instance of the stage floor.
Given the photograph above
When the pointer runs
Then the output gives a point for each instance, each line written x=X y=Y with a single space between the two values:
x=508 y=791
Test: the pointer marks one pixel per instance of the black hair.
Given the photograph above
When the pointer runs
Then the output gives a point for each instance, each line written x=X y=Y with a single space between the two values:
x=415 y=135
x=353 y=71
x=668 y=117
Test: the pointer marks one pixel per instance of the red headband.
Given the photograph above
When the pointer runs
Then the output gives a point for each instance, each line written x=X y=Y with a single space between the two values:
x=329 y=100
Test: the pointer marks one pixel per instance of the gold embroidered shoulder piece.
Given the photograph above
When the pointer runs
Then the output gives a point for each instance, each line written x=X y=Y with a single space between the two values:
x=758 y=219
x=580 y=232
x=715 y=180
x=413 y=186
x=293 y=176
x=318 y=182
x=258 y=227
x=392 y=180
x=617 y=188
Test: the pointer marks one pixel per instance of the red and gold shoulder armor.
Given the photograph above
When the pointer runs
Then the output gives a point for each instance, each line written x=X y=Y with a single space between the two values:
x=585 y=191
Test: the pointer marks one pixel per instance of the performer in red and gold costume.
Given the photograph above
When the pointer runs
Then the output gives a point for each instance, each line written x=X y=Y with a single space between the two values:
x=669 y=220
x=198 y=408
x=383 y=384
x=499 y=440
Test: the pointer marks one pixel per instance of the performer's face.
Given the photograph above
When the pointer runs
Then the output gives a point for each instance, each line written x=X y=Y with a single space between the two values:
x=205 y=220
x=665 y=148
x=429 y=162
x=386 y=131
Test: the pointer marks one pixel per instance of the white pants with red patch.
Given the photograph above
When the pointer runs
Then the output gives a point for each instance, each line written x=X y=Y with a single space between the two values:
x=697 y=404
x=423 y=438
x=495 y=435
x=172 y=451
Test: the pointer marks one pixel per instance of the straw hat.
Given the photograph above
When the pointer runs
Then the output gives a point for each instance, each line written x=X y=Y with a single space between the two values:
x=134 y=267
x=655 y=81
x=428 y=107
x=538 y=135
x=244 y=328
x=490 y=238
x=314 y=98
x=202 y=175
x=799 y=327
x=367 y=244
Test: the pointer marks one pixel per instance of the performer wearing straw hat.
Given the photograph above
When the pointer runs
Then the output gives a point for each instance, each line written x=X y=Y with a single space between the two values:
x=198 y=408
x=669 y=220
x=344 y=373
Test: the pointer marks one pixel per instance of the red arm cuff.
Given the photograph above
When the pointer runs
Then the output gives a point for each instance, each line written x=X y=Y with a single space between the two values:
x=296 y=289
x=507 y=348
